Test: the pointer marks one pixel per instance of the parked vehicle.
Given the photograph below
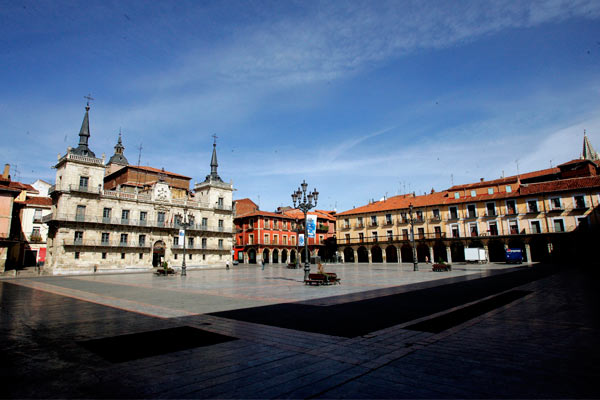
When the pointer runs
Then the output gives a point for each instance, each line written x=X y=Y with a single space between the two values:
x=475 y=255
x=514 y=256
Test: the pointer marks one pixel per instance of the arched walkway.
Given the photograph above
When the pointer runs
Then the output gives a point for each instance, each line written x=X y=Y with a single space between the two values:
x=251 y=256
x=458 y=252
x=293 y=256
x=275 y=256
x=348 y=255
x=406 y=253
x=518 y=244
x=363 y=255
x=539 y=249
x=321 y=254
x=391 y=254
x=496 y=251
x=284 y=256
x=422 y=252
x=376 y=254
x=266 y=256
x=158 y=253
x=439 y=252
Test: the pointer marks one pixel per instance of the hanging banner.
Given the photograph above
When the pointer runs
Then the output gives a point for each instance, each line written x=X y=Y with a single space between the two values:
x=311 y=225
x=181 y=235
x=301 y=239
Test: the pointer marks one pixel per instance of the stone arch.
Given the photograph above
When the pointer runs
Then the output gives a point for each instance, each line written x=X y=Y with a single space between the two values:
x=406 y=253
x=391 y=254
x=458 y=252
x=284 y=256
x=376 y=254
x=321 y=254
x=422 y=252
x=275 y=256
x=251 y=256
x=293 y=256
x=158 y=253
x=363 y=254
x=349 y=255
x=439 y=252
x=265 y=255
x=496 y=251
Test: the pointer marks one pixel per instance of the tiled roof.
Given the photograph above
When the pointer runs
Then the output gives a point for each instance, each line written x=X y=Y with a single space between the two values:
x=41 y=201
x=400 y=202
x=587 y=182
x=542 y=172
x=264 y=214
x=22 y=186
x=158 y=171
x=501 y=181
x=298 y=214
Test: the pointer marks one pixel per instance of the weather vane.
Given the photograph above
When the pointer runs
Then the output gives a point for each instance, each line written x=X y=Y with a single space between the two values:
x=215 y=137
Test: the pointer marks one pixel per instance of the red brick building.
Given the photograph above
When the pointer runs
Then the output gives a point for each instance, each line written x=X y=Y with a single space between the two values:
x=273 y=236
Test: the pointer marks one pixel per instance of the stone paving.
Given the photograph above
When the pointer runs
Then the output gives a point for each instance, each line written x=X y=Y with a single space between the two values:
x=542 y=345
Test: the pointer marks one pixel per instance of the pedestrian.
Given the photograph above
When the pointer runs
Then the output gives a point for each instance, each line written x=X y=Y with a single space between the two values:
x=263 y=264
x=227 y=264
x=426 y=259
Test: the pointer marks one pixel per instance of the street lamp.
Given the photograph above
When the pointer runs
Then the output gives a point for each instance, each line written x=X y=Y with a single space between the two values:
x=297 y=253
x=184 y=224
x=305 y=203
x=412 y=238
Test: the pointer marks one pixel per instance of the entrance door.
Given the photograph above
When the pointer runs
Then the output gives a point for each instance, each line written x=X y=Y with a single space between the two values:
x=158 y=253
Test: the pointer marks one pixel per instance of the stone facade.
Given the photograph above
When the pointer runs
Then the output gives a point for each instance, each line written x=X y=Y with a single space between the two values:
x=93 y=229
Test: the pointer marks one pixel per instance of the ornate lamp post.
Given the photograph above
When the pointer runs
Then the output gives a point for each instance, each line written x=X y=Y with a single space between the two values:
x=412 y=238
x=305 y=203
x=185 y=223
x=297 y=254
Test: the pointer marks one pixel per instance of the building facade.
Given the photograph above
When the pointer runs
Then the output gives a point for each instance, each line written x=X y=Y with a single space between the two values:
x=274 y=236
x=546 y=213
x=117 y=217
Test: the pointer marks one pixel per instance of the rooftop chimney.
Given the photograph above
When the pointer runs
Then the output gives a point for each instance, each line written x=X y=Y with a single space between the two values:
x=6 y=171
x=480 y=179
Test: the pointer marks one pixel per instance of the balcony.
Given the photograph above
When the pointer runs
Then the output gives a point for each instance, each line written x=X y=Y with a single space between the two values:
x=389 y=222
x=360 y=225
x=435 y=219
x=373 y=224
x=491 y=213
x=471 y=215
x=105 y=243
x=222 y=207
x=453 y=217
x=132 y=222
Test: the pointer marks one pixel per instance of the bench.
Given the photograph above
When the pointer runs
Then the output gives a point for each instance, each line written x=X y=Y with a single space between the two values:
x=327 y=278
x=292 y=265
x=441 y=267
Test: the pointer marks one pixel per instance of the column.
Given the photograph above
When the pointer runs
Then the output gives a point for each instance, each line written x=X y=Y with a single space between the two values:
x=487 y=252
x=369 y=253
x=342 y=257
x=431 y=255
x=355 y=255
x=384 y=255
x=398 y=250
x=528 y=253
x=449 y=254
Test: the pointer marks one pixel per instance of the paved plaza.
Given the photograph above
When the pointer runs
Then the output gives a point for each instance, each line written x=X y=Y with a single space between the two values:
x=478 y=331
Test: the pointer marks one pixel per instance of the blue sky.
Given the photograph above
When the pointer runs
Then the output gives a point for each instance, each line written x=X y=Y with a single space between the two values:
x=361 y=99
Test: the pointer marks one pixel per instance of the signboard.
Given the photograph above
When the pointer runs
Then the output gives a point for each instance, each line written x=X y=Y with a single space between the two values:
x=181 y=235
x=311 y=225
x=301 y=239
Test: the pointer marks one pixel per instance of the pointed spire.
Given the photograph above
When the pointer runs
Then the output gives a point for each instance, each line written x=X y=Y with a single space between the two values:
x=84 y=135
x=214 y=175
x=588 y=151
x=118 y=157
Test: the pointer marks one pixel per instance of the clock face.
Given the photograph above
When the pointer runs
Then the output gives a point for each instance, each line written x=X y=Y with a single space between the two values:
x=162 y=193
